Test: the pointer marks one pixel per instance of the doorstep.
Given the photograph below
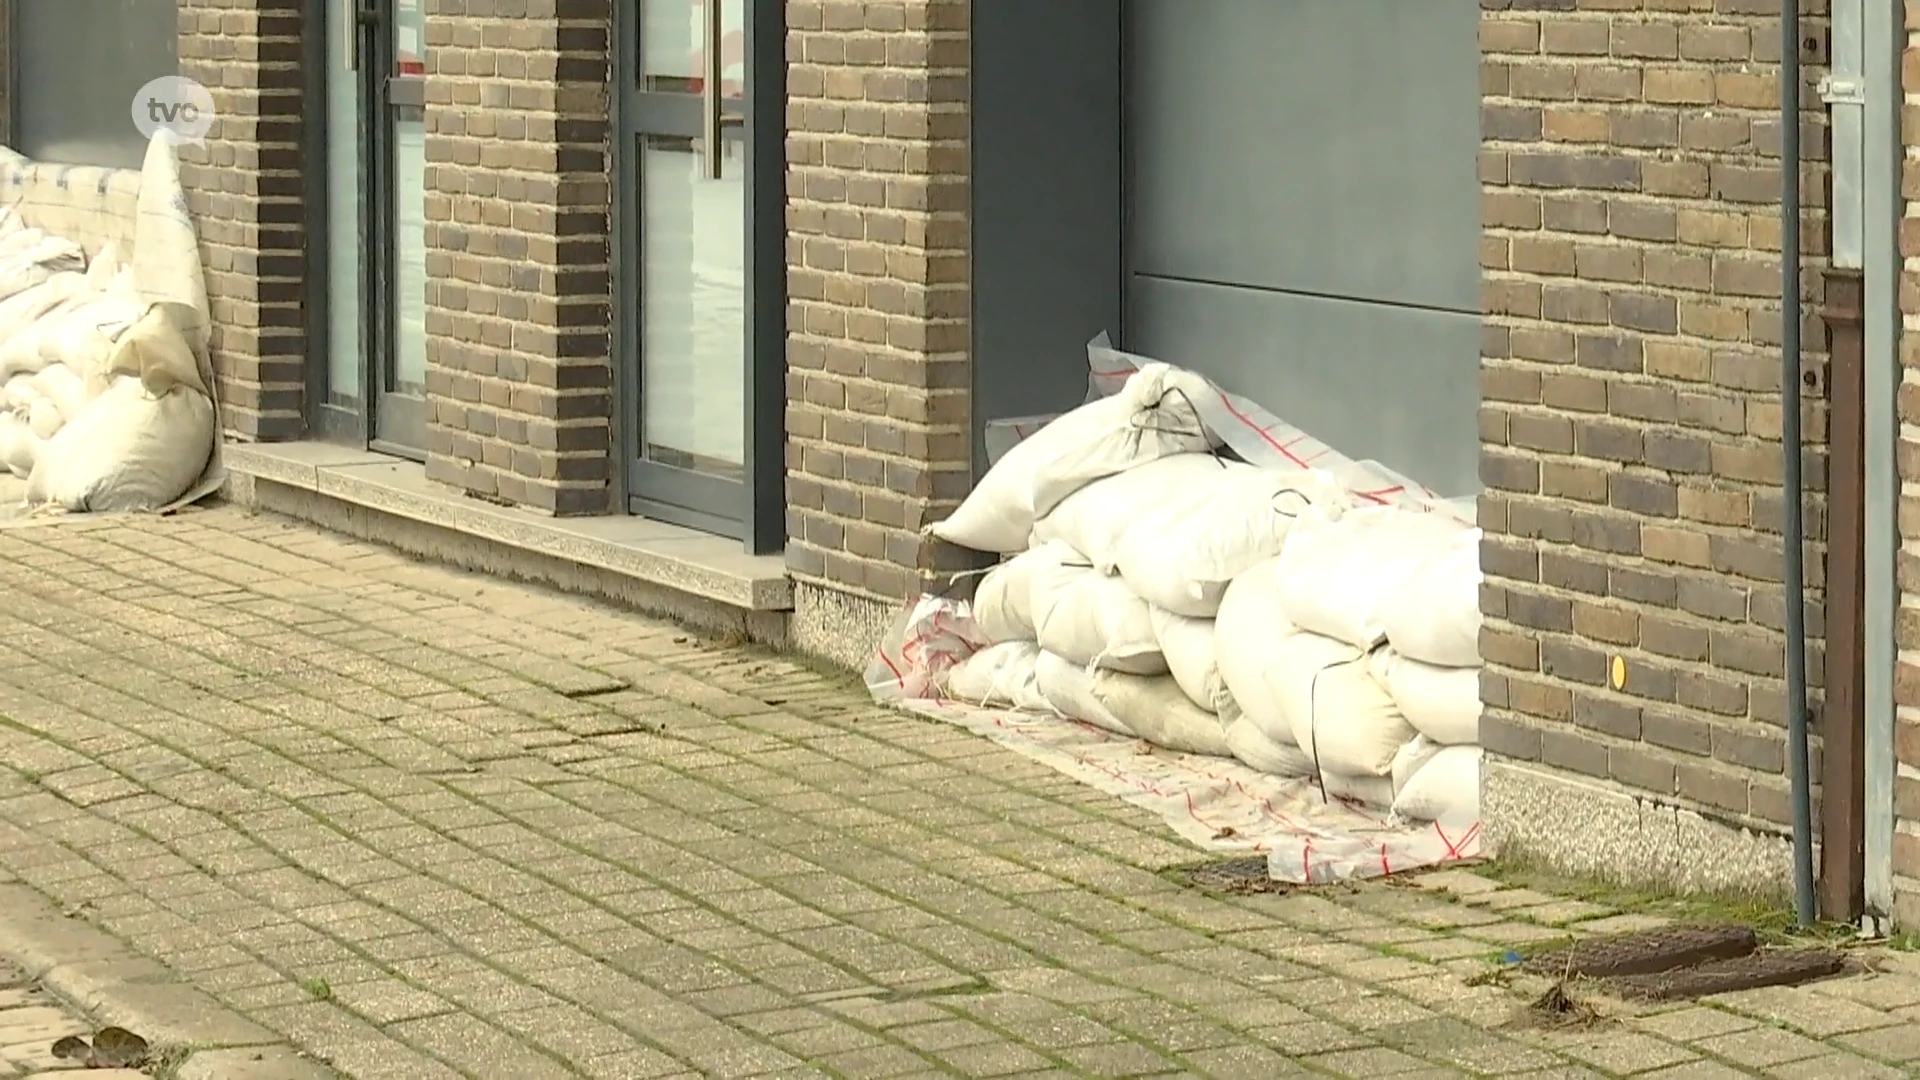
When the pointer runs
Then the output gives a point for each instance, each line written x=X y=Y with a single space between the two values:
x=668 y=556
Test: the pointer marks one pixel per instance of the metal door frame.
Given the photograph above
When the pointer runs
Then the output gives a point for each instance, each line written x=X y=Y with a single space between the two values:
x=375 y=225
x=397 y=424
x=752 y=510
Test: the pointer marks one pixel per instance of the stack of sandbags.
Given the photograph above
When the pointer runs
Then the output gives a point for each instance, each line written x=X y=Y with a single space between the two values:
x=1363 y=588
x=1153 y=588
x=1431 y=668
x=102 y=403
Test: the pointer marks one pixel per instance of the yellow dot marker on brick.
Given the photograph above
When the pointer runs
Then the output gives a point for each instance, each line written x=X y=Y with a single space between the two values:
x=1617 y=672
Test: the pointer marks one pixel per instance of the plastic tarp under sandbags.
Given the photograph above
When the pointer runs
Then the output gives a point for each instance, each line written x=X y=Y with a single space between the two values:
x=1150 y=599
x=110 y=387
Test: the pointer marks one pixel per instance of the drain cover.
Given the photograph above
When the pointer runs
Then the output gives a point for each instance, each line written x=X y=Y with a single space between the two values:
x=1235 y=876
x=1683 y=962
x=1645 y=953
x=1770 y=967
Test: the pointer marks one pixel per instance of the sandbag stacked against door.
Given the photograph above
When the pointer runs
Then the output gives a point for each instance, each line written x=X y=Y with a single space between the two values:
x=1157 y=589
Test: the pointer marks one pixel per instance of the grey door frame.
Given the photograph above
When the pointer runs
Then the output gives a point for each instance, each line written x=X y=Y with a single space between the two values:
x=389 y=423
x=751 y=510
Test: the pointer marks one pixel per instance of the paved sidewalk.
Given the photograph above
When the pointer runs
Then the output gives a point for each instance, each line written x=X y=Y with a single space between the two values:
x=426 y=824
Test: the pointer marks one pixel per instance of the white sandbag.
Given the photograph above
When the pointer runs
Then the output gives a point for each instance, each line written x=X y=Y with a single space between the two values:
x=1094 y=620
x=1094 y=518
x=1371 y=791
x=1188 y=646
x=155 y=351
x=1410 y=758
x=1003 y=601
x=1069 y=690
x=44 y=419
x=18 y=394
x=999 y=676
x=1339 y=715
x=1442 y=703
x=1151 y=417
x=1183 y=550
x=126 y=450
x=30 y=257
x=67 y=391
x=82 y=337
x=1147 y=707
x=1247 y=634
x=1445 y=789
x=1251 y=746
x=1434 y=617
x=1340 y=570
x=26 y=309
x=1154 y=708
x=19 y=447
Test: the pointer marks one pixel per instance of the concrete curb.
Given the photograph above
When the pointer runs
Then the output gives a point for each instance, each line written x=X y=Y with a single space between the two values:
x=104 y=978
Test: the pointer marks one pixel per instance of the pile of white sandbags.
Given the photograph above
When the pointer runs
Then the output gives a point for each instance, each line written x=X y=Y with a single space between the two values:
x=1156 y=589
x=102 y=403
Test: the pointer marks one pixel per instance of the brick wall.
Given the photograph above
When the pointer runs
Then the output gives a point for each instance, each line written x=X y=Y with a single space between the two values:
x=1631 y=413
x=1906 y=840
x=519 y=298
x=878 y=385
x=246 y=192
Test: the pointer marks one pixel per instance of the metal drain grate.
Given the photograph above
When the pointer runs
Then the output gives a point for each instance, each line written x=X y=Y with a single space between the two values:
x=1684 y=962
x=1645 y=953
x=1768 y=967
x=1248 y=875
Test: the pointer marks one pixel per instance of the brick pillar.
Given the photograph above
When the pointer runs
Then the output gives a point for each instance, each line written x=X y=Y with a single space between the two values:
x=246 y=191
x=1906 y=686
x=878 y=386
x=1631 y=430
x=519 y=380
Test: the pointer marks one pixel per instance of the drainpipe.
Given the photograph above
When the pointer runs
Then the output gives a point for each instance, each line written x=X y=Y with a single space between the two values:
x=1790 y=441
x=1843 y=796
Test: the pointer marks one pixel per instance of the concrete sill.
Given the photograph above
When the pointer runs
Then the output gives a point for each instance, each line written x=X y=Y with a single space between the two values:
x=709 y=567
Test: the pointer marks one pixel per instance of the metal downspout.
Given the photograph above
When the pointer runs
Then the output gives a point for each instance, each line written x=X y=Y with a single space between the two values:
x=1793 y=482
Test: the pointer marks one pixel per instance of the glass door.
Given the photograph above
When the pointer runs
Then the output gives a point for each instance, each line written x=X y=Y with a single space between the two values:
x=684 y=123
x=376 y=225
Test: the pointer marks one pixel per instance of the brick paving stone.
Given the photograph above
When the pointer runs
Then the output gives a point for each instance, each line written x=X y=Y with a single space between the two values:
x=427 y=824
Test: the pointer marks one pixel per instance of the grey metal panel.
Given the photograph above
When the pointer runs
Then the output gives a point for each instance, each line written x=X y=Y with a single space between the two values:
x=1883 y=37
x=1320 y=146
x=1393 y=384
x=1046 y=201
x=80 y=63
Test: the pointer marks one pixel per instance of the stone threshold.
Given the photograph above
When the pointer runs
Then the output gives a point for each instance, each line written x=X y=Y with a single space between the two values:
x=651 y=552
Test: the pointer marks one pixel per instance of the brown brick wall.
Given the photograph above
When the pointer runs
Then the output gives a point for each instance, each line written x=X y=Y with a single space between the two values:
x=246 y=192
x=1906 y=685
x=519 y=298
x=1631 y=405
x=878 y=406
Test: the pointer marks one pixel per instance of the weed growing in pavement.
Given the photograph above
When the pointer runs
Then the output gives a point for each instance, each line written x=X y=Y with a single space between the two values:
x=318 y=989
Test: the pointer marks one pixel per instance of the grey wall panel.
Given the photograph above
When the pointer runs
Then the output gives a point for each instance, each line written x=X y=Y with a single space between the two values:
x=1320 y=146
x=1047 y=209
x=1394 y=384
x=79 y=65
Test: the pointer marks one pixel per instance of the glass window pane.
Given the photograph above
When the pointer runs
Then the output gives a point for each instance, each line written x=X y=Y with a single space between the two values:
x=344 y=235
x=692 y=305
x=409 y=375
x=672 y=59
x=81 y=62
